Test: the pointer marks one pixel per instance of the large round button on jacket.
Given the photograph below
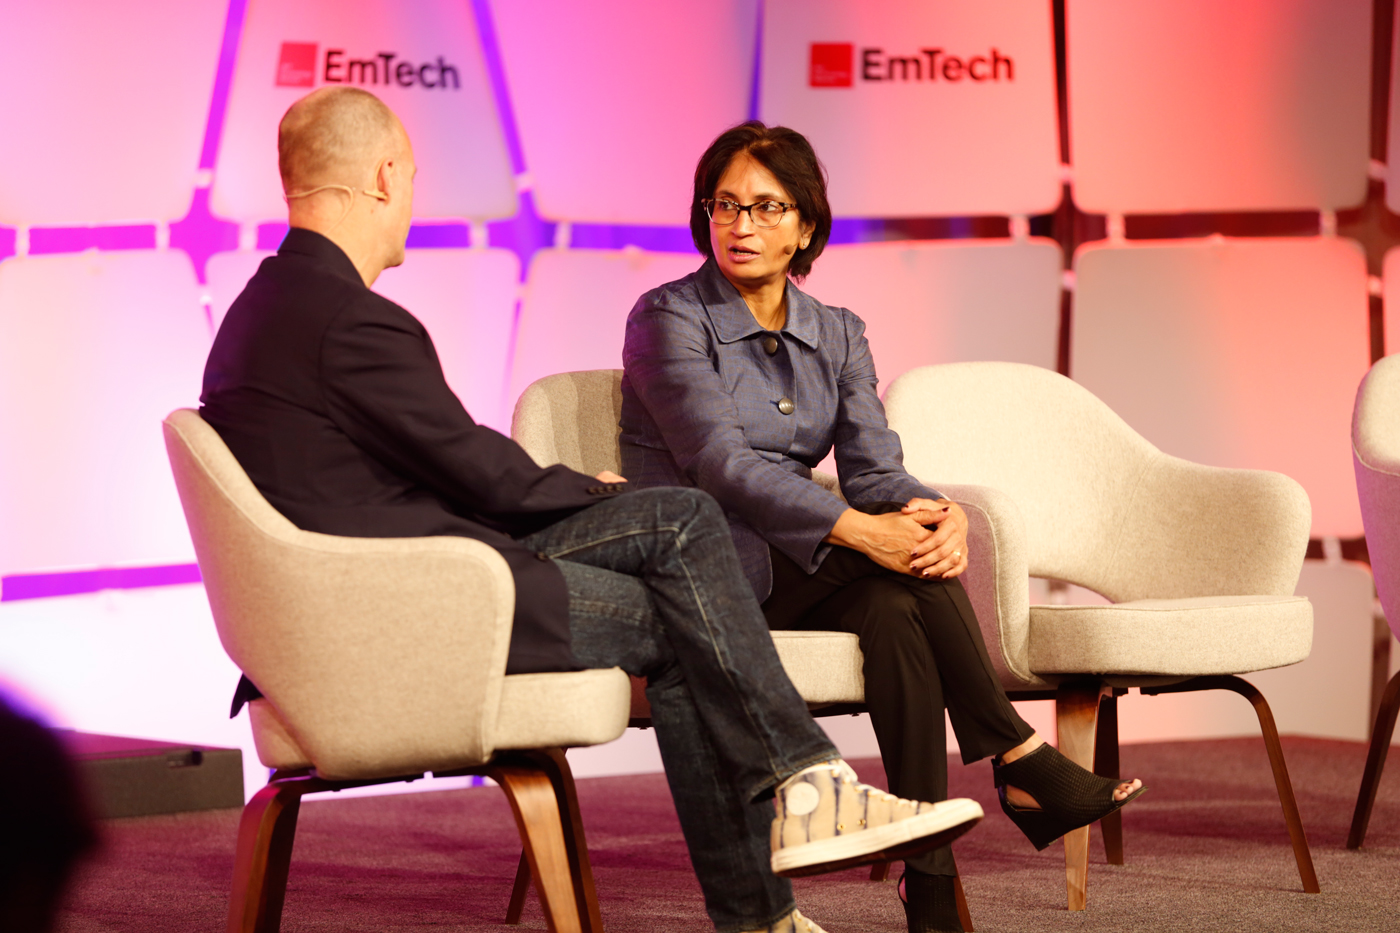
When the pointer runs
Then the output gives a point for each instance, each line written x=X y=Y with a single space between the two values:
x=785 y=405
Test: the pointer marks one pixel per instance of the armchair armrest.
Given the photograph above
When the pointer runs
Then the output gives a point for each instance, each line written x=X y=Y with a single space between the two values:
x=382 y=656
x=997 y=579
x=1193 y=530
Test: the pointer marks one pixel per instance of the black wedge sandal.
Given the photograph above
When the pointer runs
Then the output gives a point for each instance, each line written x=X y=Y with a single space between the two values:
x=930 y=903
x=1069 y=796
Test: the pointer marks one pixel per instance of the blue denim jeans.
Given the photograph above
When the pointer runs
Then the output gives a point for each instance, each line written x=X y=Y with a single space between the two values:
x=656 y=589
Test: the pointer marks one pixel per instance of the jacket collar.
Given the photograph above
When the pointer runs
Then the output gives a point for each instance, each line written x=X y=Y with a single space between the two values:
x=303 y=242
x=733 y=320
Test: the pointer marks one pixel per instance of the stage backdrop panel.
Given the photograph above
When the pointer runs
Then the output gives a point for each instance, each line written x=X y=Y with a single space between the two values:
x=1391 y=300
x=919 y=107
x=95 y=349
x=1233 y=353
x=104 y=109
x=1219 y=105
x=423 y=59
x=574 y=313
x=616 y=101
x=1392 y=169
x=464 y=297
x=947 y=302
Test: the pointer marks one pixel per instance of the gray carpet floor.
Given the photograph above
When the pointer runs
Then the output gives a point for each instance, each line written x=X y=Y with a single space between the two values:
x=1206 y=850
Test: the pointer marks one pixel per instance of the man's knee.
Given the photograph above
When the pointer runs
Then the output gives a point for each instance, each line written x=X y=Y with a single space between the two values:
x=683 y=503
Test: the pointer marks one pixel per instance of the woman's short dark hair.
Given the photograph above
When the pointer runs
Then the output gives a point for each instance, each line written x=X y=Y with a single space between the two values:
x=787 y=154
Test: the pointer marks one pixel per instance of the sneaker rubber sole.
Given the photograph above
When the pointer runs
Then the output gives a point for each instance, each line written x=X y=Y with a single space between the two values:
x=888 y=843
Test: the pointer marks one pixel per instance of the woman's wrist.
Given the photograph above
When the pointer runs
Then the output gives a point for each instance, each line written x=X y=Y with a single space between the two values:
x=847 y=532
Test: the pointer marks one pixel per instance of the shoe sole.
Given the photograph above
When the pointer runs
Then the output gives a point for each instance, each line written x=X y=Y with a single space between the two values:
x=888 y=843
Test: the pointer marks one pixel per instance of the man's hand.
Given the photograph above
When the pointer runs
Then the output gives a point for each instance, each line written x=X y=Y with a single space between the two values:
x=608 y=476
x=944 y=552
x=889 y=539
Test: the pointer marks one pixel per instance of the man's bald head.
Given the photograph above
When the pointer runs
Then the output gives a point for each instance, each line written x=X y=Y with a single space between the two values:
x=335 y=135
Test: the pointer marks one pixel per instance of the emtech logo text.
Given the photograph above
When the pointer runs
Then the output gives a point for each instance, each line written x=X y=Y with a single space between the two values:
x=297 y=67
x=834 y=64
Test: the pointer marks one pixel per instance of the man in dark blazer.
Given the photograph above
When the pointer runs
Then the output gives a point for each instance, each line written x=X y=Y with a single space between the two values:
x=332 y=399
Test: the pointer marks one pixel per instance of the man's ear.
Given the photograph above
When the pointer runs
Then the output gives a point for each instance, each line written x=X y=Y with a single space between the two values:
x=384 y=178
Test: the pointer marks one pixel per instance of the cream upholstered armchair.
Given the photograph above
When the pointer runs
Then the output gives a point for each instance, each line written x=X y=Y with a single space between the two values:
x=573 y=419
x=1375 y=449
x=381 y=659
x=1200 y=562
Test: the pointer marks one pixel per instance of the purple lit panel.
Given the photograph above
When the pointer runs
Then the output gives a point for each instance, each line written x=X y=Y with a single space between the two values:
x=43 y=585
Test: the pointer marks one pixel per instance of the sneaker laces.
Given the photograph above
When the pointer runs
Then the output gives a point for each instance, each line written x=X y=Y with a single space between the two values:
x=847 y=776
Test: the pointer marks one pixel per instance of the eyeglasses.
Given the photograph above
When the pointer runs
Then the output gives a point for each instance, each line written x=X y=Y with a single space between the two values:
x=723 y=212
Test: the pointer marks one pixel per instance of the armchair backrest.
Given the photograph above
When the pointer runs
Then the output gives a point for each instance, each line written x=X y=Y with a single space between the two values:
x=1375 y=449
x=382 y=656
x=1102 y=507
x=573 y=419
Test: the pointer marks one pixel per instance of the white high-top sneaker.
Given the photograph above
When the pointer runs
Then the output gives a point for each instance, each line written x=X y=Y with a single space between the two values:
x=827 y=820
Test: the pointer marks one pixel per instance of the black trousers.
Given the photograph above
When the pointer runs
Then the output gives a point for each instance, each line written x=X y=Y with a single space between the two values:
x=923 y=652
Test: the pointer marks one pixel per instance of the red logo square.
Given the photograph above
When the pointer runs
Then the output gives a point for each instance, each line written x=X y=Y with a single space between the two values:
x=296 y=67
x=833 y=64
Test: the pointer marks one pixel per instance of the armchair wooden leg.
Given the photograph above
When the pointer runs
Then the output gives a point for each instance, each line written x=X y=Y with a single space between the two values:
x=1285 y=787
x=1076 y=717
x=1375 y=762
x=540 y=788
x=264 y=857
x=879 y=871
x=516 y=907
x=1244 y=688
x=963 y=914
x=554 y=764
x=1106 y=765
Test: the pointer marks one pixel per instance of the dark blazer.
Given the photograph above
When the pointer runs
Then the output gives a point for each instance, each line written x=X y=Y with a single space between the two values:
x=332 y=399
x=710 y=399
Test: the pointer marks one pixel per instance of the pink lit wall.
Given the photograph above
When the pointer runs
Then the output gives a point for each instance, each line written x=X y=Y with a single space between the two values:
x=138 y=191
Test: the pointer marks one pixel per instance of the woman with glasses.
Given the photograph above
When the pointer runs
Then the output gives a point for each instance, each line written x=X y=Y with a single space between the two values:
x=739 y=383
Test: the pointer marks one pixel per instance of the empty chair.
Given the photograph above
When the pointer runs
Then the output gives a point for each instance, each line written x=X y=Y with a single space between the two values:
x=1246 y=353
x=1375 y=438
x=380 y=659
x=1056 y=485
x=947 y=302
